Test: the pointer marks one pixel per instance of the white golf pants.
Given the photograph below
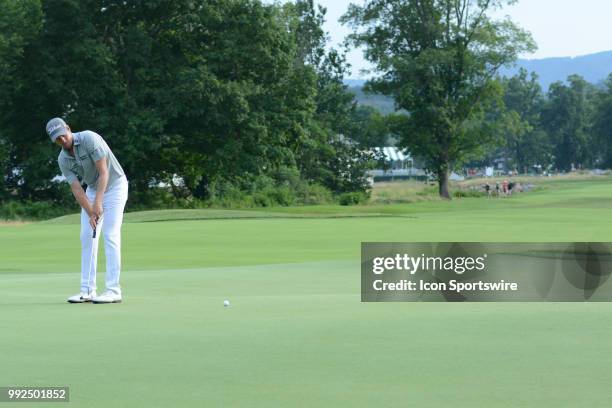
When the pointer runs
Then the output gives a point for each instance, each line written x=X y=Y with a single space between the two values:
x=109 y=225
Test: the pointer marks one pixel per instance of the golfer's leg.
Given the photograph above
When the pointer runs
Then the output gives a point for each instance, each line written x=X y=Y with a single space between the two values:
x=89 y=255
x=114 y=203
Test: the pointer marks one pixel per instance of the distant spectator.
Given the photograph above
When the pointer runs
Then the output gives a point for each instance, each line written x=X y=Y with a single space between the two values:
x=488 y=189
x=505 y=187
x=511 y=185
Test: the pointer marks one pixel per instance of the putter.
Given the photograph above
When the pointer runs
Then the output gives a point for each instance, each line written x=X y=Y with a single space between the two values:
x=91 y=261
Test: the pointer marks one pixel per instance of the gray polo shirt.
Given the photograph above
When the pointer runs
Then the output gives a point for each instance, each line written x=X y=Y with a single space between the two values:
x=89 y=147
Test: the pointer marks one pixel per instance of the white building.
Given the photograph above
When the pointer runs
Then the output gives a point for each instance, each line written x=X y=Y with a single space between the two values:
x=398 y=164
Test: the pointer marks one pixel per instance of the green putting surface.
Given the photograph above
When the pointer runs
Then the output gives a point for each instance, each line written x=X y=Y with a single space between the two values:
x=296 y=333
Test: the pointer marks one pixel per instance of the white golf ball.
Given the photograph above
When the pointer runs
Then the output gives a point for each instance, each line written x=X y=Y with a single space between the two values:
x=226 y=303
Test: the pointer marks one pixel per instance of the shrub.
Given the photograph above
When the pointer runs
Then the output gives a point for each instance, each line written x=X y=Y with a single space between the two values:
x=352 y=198
x=310 y=194
x=38 y=210
x=468 y=193
x=428 y=191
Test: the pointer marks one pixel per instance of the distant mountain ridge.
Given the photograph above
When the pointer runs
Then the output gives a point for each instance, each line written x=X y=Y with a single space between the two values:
x=594 y=68
x=382 y=103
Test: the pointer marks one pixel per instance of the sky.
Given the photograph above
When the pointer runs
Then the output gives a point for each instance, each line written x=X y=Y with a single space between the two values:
x=561 y=28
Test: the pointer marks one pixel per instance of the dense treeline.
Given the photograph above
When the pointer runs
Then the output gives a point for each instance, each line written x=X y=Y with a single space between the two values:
x=237 y=102
x=238 y=99
x=564 y=129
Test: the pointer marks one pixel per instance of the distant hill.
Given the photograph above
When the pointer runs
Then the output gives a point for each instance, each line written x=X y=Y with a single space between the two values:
x=593 y=67
x=384 y=104
x=355 y=82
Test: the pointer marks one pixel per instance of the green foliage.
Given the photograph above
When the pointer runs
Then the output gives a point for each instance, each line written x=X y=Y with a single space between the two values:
x=427 y=191
x=245 y=102
x=353 y=198
x=264 y=191
x=159 y=198
x=33 y=210
x=311 y=194
x=468 y=193
x=602 y=125
x=324 y=152
x=566 y=117
x=526 y=143
x=212 y=92
x=370 y=127
x=20 y=24
x=438 y=59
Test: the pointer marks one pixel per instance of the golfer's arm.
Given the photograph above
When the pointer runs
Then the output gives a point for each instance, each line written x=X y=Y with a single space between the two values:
x=79 y=195
x=102 y=179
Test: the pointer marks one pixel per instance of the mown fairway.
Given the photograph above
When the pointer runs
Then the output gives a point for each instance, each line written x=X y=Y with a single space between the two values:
x=296 y=333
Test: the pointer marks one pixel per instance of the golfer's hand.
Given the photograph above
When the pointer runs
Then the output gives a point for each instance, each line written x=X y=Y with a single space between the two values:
x=93 y=221
x=97 y=210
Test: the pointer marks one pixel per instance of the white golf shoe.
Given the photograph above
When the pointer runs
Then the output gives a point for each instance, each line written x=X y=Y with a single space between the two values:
x=107 y=297
x=82 y=297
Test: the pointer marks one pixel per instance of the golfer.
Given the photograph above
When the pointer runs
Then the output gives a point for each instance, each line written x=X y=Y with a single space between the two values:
x=86 y=158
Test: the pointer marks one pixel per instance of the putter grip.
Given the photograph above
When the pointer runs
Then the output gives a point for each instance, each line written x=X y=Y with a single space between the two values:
x=94 y=230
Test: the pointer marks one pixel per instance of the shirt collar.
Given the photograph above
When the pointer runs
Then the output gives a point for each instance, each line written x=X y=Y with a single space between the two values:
x=76 y=139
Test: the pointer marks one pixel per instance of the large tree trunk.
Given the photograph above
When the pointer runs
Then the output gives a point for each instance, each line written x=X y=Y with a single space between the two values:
x=443 y=183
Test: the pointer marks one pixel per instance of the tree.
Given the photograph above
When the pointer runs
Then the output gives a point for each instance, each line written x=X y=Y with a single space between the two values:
x=602 y=124
x=370 y=127
x=61 y=72
x=20 y=23
x=566 y=118
x=526 y=143
x=235 y=105
x=438 y=60
x=197 y=89
x=324 y=150
x=219 y=92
